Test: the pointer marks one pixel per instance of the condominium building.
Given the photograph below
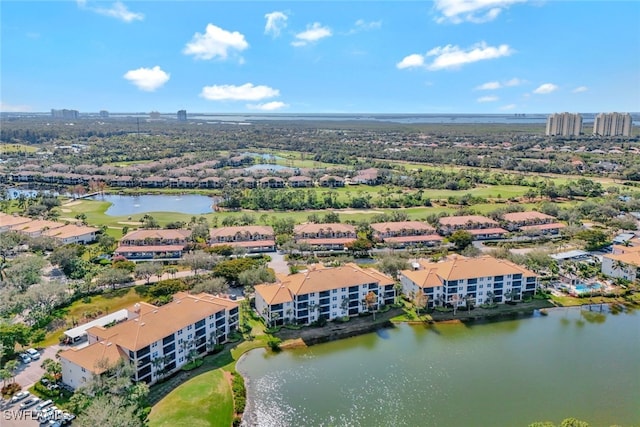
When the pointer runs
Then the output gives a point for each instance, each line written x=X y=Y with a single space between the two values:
x=612 y=124
x=328 y=292
x=182 y=115
x=623 y=263
x=459 y=280
x=153 y=244
x=332 y=236
x=253 y=238
x=65 y=114
x=157 y=340
x=405 y=233
x=564 y=124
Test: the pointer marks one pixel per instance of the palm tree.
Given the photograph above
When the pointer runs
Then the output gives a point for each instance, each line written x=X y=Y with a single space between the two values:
x=344 y=305
x=398 y=290
x=490 y=296
x=312 y=307
x=12 y=367
x=454 y=301
x=469 y=300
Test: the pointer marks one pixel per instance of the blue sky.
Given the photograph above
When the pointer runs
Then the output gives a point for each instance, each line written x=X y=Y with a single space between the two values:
x=446 y=56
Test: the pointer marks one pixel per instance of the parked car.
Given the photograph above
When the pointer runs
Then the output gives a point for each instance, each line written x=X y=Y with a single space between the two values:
x=33 y=354
x=24 y=358
x=19 y=396
x=29 y=403
x=43 y=405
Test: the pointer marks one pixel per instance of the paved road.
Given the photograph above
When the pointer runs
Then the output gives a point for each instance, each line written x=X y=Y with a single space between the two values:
x=278 y=263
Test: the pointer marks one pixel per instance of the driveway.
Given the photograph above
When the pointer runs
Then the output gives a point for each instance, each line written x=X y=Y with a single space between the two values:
x=278 y=263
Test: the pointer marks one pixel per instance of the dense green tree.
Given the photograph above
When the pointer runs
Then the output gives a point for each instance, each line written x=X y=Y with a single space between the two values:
x=461 y=239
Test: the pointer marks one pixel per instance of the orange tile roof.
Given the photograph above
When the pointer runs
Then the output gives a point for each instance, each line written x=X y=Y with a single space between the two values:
x=385 y=227
x=92 y=356
x=248 y=243
x=70 y=230
x=276 y=293
x=10 y=220
x=157 y=234
x=319 y=279
x=153 y=325
x=552 y=226
x=427 y=278
x=466 y=219
x=526 y=216
x=632 y=258
x=149 y=248
x=246 y=229
x=327 y=241
x=460 y=268
x=313 y=228
x=38 y=225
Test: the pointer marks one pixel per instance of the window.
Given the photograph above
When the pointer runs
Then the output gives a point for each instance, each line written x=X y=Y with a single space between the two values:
x=480 y=286
x=154 y=355
x=344 y=289
x=334 y=306
x=312 y=294
x=180 y=332
x=335 y=298
x=190 y=327
x=334 y=291
x=84 y=370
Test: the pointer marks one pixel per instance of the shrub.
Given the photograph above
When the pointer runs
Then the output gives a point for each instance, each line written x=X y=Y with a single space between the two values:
x=239 y=393
x=237 y=420
x=86 y=300
x=10 y=389
x=274 y=343
x=141 y=290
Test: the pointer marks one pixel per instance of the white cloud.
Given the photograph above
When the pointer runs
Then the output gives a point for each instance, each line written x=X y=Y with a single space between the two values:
x=490 y=98
x=11 y=108
x=514 y=82
x=117 y=10
x=313 y=33
x=489 y=86
x=508 y=107
x=580 y=89
x=476 y=11
x=499 y=85
x=268 y=106
x=452 y=57
x=245 y=92
x=147 y=79
x=362 y=25
x=545 y=88
x=412 y=61
x=215 y=42
x=276 y=22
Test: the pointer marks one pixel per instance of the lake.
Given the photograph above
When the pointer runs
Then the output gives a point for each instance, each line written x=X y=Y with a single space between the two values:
x=509 y=373
x=130 y=205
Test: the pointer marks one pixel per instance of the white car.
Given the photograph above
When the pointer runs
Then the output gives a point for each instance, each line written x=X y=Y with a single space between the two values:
x=19 y=396
x=24 y=357
x=33 y=354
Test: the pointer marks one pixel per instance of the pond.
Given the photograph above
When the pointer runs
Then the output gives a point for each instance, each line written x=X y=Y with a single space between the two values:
x=184 y=203
x=571 y=363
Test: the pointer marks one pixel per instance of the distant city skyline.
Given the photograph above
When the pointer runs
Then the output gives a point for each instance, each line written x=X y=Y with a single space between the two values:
x=441 y=57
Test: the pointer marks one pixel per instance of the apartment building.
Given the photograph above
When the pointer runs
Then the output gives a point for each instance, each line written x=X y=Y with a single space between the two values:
x=253 y=238
x=612 y=124
x=141 y=245
x=320 y=291
x=332 y=236
x=564 y=124
x=532 y=222
x=623 y=263
x=157 y=340
x=479 y=226
x=404 y=234
x=459 y=279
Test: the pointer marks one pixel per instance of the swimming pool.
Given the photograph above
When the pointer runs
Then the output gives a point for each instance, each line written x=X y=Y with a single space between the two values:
x=581 y=288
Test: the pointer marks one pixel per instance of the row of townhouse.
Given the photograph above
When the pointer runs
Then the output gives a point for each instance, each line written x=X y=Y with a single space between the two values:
x=185 y=182
x=60 y=231
x=156 y=340
x=170 y=244
x=482 y=227
x=458 y=279
x=328 y=292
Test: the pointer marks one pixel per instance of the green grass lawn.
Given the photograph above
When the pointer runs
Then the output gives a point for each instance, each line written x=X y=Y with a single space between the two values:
x=105 y=303
x=205 y=400
x=17 y=148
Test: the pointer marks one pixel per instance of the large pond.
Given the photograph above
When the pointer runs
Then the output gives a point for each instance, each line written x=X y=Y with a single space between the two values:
x=129 y=205
x=510 y=373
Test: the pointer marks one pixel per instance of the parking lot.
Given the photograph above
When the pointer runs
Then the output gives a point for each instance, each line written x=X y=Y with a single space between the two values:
x=28 y=374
